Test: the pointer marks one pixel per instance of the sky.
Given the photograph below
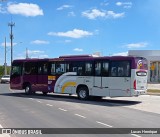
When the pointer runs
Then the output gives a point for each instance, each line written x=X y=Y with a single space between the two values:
x=52 y=28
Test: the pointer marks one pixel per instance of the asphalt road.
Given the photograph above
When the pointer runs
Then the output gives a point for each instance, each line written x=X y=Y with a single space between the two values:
x=18 y=110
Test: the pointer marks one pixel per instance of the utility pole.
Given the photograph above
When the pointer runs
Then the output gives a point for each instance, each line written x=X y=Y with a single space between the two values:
x=5 y=64
x=11 y=24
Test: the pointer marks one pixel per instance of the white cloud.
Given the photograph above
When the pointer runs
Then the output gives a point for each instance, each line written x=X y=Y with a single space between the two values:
x=8 y=44
x=25 y=9
x=94 y=13
x=137 y=45
x=78 y=49
x=32 y=54
x=119 y=3
x=71 y=14
x=2 y=9
x=126 y=5
x=67 y=41
x=121 y=54
x=64 y=7
x=43 y=56
x=39 y=42
x=35 y=52
x=104 y=4
x=76 y=33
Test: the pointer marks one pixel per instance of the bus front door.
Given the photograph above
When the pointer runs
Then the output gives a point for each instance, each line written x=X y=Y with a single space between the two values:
x=16 y=76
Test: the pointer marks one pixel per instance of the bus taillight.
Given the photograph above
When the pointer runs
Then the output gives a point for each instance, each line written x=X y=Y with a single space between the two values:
x=134 y=84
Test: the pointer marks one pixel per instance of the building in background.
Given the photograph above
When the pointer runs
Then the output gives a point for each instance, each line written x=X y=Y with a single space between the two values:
x=153 y=57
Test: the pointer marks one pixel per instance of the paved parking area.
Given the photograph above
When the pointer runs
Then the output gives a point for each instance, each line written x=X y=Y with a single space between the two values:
x=149 y=103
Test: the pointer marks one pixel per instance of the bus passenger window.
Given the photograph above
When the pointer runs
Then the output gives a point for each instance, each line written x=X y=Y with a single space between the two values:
x=97 y=69
x=52 y=69
x=120 y=72
x=113 y=71
x=30 y=68
x=60 y=68
x=88 y=69
x=45 y=69
x=105 y=69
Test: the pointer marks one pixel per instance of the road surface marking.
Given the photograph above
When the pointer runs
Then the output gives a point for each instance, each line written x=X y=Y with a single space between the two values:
x=31 y=98
x=3 y=134
x=49 y=105
x=103 y=124
x=135 y=135
x=80 y=116
x=39 y=101
x=62 y=109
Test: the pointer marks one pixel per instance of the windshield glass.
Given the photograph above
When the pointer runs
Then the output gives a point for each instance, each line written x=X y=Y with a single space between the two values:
x=16 y=69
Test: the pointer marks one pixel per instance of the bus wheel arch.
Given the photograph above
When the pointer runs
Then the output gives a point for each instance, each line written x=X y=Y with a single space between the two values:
x=82 y=92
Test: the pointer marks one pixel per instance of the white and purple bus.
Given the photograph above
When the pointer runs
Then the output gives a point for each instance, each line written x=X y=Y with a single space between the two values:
x=84 y=75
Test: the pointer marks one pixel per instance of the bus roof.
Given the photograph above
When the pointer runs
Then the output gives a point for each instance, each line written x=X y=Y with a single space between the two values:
x=78 y=58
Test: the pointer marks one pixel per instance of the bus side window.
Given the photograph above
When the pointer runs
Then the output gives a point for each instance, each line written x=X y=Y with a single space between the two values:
x=97 y=69
x=126 y=68
x=77 y=67
x=105 y=69
x=30 y=68
x=88 y=69
x=67 y=67
x=43 y=68
x=60 y=68
x=114 y=72
x=120 y=69
x=52 y=68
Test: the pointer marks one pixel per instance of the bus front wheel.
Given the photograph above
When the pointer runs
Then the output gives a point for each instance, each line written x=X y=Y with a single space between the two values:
x=83 y=93
x=28 y=89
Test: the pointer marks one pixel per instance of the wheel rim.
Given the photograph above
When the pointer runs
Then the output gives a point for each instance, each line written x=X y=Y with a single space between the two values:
x=82 y=93
x=27 y=89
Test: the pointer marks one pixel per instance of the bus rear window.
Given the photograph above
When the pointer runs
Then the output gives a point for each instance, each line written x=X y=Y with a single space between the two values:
x=141 y=73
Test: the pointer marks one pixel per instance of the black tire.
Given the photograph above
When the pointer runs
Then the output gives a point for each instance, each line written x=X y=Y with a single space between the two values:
x=83 y=93
x=45 y=93
x=28 y=89
x=96 y=97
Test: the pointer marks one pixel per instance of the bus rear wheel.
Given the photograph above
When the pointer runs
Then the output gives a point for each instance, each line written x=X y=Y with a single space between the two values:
x=83 y=93
x=45 y=93
x=28 y=89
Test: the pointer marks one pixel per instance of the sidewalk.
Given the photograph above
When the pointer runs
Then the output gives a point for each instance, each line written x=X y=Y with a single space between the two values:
x=153 y=86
